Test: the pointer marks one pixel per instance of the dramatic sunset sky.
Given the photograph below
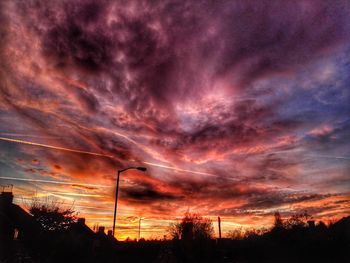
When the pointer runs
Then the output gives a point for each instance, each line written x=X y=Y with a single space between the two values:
x=237 y=108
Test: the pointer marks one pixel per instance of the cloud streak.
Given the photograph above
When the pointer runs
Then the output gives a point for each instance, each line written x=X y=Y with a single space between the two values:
x=52 y=182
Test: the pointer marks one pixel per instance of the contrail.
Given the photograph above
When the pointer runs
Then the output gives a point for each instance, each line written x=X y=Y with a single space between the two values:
x=330 y=156
x=54 y=147
x=98 y=154
x=77 y=194
x=188 y=171
x=53 y=182
x=177 y=169
x=27 y=135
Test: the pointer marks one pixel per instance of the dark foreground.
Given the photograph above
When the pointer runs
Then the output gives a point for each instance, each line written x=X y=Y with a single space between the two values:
x=318 y=244
x=22 y=239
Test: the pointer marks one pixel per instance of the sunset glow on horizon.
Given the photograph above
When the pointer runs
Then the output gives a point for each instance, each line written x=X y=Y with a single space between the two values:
x=237 y=109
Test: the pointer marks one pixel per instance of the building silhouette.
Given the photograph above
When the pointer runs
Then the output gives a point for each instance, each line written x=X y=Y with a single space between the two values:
x=23 y=239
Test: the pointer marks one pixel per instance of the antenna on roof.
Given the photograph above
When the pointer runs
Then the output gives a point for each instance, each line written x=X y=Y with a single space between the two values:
x=4 y=187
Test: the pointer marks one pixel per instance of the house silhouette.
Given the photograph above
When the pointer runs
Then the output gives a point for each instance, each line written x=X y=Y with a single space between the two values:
x=23 y=239
x=17 y=228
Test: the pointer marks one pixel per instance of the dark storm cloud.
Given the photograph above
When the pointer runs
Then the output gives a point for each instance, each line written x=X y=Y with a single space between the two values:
x=147 y=193
x=234 y=126
x=84 y=187
x=262 y=37
x=71 y=43
x=273 y=200
x=160 y=44
x=277 y=36
x=272 y=167
x=216 y=188
x=245 y=124
x=276 y=199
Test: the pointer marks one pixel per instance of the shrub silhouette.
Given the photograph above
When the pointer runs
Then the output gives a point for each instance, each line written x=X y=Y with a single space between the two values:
x=51 y=216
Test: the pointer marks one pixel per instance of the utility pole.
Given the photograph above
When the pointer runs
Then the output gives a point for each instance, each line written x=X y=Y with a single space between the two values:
x=219 y=223
x=140 y=228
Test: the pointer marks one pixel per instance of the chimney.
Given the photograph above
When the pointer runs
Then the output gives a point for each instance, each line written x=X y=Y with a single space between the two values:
x=81 y=221
x=311 y=224
x=6 y=198
x=101 y=230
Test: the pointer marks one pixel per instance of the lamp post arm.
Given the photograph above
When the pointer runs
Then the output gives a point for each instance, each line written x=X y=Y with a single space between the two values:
x=123 y=170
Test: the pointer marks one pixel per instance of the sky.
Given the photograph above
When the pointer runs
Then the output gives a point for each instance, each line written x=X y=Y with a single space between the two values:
x=237 y=109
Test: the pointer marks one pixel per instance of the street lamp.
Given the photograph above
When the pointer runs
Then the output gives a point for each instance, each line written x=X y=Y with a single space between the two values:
x=143 y=169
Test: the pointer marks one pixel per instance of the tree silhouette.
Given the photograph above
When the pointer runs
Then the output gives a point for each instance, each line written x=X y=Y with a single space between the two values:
x=236 y=234
x=192 y=239
x=278 y=223
x=192 y=227
x=297 y=220
x=51 y=216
